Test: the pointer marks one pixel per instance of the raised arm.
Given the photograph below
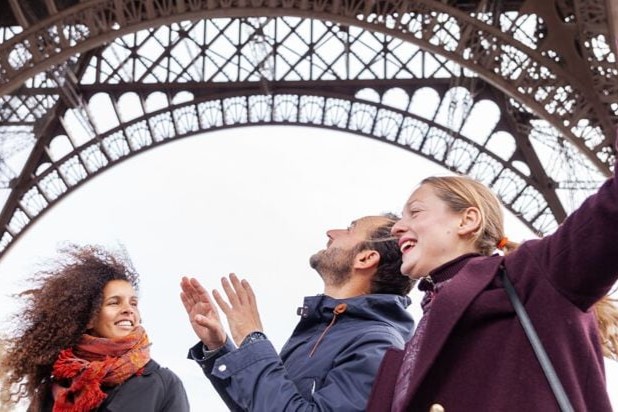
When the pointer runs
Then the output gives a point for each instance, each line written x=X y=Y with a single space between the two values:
x=258 y=380
x=207 y=325
x=581 y=257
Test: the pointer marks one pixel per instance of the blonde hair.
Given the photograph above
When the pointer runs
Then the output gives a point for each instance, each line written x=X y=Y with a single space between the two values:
x=460 y=193
x=607 y=318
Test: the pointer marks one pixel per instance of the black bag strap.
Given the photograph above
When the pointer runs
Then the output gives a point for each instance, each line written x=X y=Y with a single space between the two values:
x=537 y=346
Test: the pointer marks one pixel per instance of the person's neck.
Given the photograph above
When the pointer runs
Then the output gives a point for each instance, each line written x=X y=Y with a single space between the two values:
x=354 y=286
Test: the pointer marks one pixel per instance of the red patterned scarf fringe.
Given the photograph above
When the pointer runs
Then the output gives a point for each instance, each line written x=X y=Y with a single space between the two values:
x=95 y=362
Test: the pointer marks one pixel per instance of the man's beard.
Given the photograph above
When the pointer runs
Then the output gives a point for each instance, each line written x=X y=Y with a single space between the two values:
x=334 y=265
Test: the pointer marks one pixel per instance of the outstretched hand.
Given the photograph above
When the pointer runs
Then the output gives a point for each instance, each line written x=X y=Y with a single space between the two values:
x=241 y=311
x=202 y=313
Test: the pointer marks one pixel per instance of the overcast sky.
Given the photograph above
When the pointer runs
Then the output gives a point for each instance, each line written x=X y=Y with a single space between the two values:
x=256 y=201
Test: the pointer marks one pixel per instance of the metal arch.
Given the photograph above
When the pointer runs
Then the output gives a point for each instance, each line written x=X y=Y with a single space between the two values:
x=402 y=129
x=544 y=86
x=597 y=21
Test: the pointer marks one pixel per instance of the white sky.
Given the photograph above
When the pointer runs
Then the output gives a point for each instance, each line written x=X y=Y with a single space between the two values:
x=256 y=201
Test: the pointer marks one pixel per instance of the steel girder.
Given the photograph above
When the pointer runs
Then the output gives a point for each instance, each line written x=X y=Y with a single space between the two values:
x=548 y=67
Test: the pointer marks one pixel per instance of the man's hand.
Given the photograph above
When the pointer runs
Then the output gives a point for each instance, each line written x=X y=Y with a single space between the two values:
x=241 y=311
x=202 y=313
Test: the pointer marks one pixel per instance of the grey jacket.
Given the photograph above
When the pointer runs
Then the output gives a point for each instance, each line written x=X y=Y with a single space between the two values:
x=337 y=376
x=157 y=389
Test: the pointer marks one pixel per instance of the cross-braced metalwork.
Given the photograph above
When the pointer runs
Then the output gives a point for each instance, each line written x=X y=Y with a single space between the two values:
x=485 y=88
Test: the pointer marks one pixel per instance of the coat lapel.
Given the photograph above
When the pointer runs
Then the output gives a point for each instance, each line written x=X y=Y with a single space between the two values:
x=447 y=308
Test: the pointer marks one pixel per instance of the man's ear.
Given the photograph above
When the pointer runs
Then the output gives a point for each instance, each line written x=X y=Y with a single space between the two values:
x=366 y=259
x=470 y=221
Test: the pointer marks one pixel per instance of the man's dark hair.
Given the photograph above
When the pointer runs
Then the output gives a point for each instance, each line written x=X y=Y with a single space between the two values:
x=388 y=277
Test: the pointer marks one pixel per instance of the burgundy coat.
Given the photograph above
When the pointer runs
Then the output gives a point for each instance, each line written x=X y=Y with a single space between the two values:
x=475 y=357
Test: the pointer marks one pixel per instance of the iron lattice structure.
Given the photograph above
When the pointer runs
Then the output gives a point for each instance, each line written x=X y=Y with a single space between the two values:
x=522 y=95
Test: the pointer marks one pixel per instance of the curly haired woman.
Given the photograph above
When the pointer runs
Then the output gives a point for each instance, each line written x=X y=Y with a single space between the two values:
x=79 y=344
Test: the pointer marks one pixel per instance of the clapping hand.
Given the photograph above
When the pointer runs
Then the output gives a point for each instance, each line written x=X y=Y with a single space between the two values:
x=202 y=313
x=241 y=311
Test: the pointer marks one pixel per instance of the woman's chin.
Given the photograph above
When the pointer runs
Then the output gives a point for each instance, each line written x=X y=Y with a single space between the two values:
x=410 y=272
x=415 y=276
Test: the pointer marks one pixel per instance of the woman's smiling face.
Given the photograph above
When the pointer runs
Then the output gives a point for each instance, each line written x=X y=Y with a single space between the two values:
x=118 y=315
x=428 y=233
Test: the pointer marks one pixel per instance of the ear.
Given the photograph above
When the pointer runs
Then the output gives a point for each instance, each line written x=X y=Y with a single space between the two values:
x=90 y=323
x=470 y=221
x=366 y=259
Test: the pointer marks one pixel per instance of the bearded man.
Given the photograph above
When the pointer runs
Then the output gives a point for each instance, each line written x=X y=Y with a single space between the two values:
x=330 y=361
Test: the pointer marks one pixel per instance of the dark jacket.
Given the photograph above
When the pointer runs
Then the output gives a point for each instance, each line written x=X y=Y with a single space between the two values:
x=474 y=355
x=339 y=374
x=157 y=389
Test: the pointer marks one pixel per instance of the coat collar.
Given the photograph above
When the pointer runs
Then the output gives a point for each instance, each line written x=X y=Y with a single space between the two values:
x=387 y=308
x=447 y=308
x=150 y=367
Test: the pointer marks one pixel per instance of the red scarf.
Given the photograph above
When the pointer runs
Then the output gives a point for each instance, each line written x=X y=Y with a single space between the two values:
x=94 y=362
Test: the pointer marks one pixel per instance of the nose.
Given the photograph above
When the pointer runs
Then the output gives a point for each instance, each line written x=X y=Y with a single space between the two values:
x=398 y=228
x=128 y=308
x=333 y=233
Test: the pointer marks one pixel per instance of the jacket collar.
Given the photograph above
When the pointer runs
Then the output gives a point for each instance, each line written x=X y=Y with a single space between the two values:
x=388 y=308
x=447 y=308
x=323 y=305
x=150 y=368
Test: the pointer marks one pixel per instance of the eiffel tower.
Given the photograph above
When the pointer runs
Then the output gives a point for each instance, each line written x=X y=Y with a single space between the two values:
x=419 y=75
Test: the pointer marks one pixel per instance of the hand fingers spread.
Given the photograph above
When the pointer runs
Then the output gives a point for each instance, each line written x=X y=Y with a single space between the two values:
x=199 y=290
x=194 y=292
x=201 y=294
x=187 y=290
x=230 y=292
x=240 y=291
x=186 y=303
x=249 y=292
x=221 y=302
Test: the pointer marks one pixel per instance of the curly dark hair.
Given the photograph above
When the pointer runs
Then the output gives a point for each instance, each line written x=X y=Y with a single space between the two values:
x=388 y=277
x=65 y=297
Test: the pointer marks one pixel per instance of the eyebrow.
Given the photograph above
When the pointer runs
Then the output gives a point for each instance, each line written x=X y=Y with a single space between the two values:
x=132 y=297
